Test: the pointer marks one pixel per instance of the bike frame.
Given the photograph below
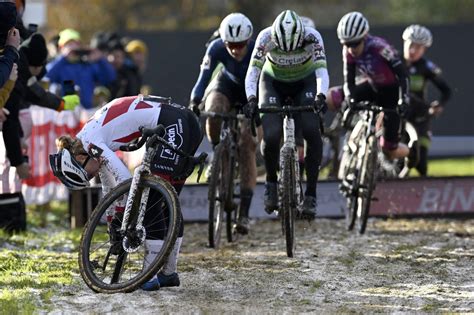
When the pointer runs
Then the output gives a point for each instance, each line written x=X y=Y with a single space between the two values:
x=140 y=171
x=152 y=139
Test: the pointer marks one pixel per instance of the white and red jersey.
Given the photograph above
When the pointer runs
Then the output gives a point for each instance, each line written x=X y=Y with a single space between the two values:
x=113 y=125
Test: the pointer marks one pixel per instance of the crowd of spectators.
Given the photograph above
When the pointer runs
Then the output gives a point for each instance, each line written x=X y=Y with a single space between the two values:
x=34 y=71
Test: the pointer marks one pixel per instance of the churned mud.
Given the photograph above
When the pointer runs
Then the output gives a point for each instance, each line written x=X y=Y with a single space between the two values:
x=397 y=266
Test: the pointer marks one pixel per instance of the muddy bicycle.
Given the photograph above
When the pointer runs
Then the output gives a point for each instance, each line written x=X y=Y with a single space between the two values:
x=290 y=194
x=112 y=255
x=360 y=164
x=222 y=179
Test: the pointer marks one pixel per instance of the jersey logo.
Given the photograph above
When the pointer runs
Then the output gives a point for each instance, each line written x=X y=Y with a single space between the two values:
x=95 y=151
x=173 y=137
x=388 y=54
x=206 y=62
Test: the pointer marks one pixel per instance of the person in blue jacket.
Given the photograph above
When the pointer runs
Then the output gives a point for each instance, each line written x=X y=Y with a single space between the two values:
x=86 y=67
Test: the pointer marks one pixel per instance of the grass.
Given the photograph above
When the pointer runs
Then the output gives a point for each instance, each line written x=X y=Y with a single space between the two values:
x=451 y=167
x=35 y=265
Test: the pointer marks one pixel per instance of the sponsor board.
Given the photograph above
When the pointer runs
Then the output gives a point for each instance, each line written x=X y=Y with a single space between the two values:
x=431 y=196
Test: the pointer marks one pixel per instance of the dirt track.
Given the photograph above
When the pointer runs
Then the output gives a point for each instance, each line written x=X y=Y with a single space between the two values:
x=398 y=266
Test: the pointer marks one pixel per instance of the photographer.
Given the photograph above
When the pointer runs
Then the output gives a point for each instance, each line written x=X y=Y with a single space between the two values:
x=84 y=66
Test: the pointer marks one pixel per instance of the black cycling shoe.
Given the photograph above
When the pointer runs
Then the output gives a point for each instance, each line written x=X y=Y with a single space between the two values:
x=271 y=197
x=309 y=208
x=171 y=280
x=243 y=225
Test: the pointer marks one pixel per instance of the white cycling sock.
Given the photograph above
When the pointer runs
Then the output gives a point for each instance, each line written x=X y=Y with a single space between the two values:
x=171 y=265
x=152 y=248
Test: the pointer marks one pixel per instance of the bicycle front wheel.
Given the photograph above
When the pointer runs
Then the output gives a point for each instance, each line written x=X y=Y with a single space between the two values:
x=288 y=198
x=366 y=183
x=216 y=196
x=111 y=263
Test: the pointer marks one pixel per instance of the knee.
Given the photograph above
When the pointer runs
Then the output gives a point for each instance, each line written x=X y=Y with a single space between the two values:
x=217 y=102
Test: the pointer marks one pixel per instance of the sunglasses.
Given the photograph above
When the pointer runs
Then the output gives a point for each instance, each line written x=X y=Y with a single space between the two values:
x=353 y=44
x=238 y=45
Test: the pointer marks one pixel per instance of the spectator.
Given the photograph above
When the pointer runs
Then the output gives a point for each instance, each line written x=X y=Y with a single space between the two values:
x=53 y=48
x=7 y=89
x=138 y=52
x=84 y=66
x=33 y=56
x=9 y=40
x=128 y=80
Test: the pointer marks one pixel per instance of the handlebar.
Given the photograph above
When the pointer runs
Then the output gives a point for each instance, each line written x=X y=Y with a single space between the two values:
x=153 y=136
x=146 y=133
x=286 y=110
x=367 y=105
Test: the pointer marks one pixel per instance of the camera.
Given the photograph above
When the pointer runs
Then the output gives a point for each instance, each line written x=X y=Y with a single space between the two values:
x=32 y=28
x=68 y=87
x=83 y=54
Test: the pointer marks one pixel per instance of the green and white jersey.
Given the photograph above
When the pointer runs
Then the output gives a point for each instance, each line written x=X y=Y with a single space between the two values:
x=289 y=66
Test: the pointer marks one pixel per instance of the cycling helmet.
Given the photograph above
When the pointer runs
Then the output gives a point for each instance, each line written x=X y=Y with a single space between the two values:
x=235 y=28
x=307 y=21
x=418 y=34
x=68 y=170
x=352 y=27
x=288 y=31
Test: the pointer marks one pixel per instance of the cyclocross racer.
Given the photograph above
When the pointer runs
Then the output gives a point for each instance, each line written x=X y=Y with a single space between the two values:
x=288 y=61
x=92 y=152
x=380 y=62
x=233 y=50
x=417 y=39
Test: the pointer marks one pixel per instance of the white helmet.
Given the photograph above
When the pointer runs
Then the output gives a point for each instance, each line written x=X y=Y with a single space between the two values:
x=235 y=28
x=307 y=21
x=288 y=31
x=68 y=170
x=418 y=34
x=352 y=27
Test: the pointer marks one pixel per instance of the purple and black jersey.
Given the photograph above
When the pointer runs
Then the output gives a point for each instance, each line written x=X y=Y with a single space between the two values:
x=379 y=61
x=232 y=69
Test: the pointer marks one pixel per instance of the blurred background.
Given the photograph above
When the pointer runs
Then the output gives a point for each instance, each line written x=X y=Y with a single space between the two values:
x=176 y=31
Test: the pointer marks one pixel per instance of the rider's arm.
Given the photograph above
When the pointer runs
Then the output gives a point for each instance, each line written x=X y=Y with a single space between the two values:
x=394 y=61
x=112 y=169
x=349 y=69
x=256 y=64
x=208 y=65
x=319 y=55
x=434 y=75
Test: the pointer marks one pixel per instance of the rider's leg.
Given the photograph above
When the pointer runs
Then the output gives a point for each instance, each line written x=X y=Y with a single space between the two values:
x=215 y=102
x=272 y=125
x=388 y=98
x=248 y=175
x=422 y=166
x=309 y=123
x=424 y=140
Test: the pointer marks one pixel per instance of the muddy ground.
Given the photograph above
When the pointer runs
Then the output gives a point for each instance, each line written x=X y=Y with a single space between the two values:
x=398 y=266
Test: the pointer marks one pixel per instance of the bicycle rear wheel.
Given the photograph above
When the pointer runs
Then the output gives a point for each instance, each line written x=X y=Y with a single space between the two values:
x=366 y=183
x=288 y=198
x=112 y=264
